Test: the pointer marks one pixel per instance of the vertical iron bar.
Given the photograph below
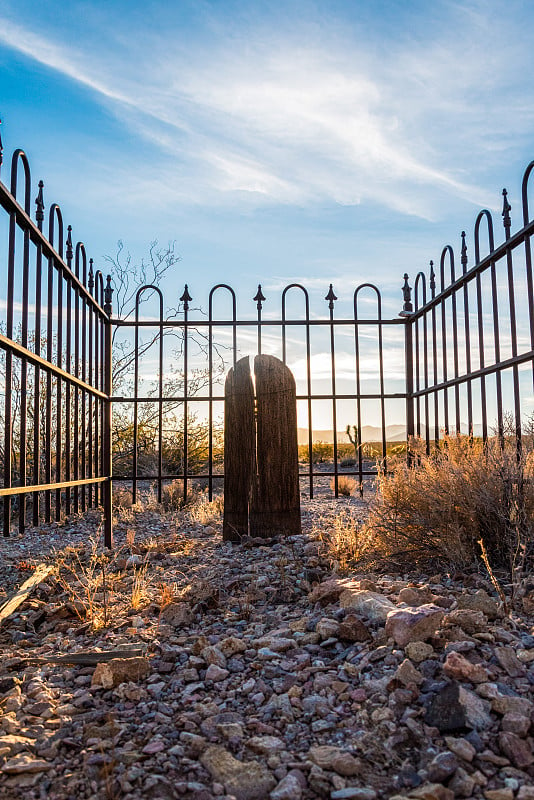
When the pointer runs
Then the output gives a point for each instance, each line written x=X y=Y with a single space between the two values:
x=107 y=430
x=59 y=361
x=39 y=216
x=434 y=355
x=90 y=321
x=467 y=340
x=24 y=380
x=68 y=355
x=185 y=299
x=408 y=350
x=507 y=222
x=331 y=297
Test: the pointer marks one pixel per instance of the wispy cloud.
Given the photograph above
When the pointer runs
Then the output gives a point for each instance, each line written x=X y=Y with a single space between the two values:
x=262 y=120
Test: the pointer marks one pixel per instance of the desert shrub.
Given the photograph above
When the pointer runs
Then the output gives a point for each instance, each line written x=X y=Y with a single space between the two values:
x=443 y=504
x=348 y=462
x=345 y=485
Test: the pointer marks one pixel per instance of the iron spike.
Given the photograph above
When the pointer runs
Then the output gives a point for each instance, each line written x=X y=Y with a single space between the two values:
x=407 y=307
x=186 y=298
x=463 y=259
x=506 y=208
x=259 y=298
x=39 y=202
x=432 y=279
x=69 y=250
x=331 y=297
x=108 y=296
x=91 y=280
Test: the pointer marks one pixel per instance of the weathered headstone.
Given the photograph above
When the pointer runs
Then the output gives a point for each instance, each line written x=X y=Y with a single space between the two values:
x=239 y=450
x=261 y=486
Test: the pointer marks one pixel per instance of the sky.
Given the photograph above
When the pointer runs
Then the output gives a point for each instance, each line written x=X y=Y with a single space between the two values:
x=321 y=142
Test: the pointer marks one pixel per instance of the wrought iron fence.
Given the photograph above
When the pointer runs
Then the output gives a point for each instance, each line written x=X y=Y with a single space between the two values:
x=55 y=369
x=461 y=359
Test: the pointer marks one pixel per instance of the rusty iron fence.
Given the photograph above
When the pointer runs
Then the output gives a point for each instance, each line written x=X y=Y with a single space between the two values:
x=55 y=367
x=461 y=359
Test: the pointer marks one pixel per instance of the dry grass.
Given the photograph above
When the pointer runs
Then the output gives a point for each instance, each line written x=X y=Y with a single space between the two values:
x=444 y=504
x=345 y=485
x=344 y=538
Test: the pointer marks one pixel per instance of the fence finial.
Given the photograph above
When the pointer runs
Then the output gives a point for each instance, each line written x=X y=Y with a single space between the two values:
x=69 y=251
x=506 y=208
x=259 y=298
x=463 y=259
x=91 y=280
x=108 y=296
x=432 y=279
x=186 y=298
x=331 y=298
x=39 y=202
x=407 y=307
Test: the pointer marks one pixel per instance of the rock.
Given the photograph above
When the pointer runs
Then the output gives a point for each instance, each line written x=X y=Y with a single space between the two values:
x=277 y=644
x=24 y=762
x=327 y=628
x=461 y=748
x=517 y=750
x=119 y=670
x=480 y=601
x=265 y=745
x=442 y=767
x=246 y=780
x=12 y=743
x=477 y=711
x=454 y=708
x=462 y=784
x=353 y=793
x=352 y=629
x=329 y=591
x=290 y=787
x=406 y=673
x=432 y=791
x=525 y=793
x=336 y=759
x=179 y=615
x=468 y=620
x=370 y=605
x=413 y=624
x=505 y=703
x=515 y=723
x=413 y=596
x=212 y=655
x=509 y=661
x=459 y=668
x=215 y=673
x=231 y=646
x=419 y=651
x=499 y=794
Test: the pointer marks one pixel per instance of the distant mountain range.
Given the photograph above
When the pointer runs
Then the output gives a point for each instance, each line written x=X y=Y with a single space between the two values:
x=371 y=433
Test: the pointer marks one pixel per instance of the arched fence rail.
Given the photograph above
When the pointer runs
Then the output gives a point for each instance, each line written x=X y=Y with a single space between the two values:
x=463 y=344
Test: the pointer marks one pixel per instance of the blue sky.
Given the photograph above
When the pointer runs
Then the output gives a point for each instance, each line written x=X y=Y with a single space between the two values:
x=321 y=141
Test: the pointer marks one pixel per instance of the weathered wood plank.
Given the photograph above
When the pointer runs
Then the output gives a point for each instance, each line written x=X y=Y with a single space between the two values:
x=41 y=572
x=275 y=504
x=239 y=449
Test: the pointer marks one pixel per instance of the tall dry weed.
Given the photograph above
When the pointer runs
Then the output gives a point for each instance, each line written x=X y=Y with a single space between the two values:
x=443 y=504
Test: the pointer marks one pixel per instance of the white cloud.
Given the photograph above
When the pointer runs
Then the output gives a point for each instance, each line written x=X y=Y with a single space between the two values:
x=276 y=123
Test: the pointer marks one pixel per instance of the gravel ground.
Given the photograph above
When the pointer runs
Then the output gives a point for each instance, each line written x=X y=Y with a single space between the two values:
x=253 y=671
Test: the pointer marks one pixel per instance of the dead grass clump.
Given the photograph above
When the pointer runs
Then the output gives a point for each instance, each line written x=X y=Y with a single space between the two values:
x=344 y=538
x=446 y=502
x=206 y=511
x=345 y=485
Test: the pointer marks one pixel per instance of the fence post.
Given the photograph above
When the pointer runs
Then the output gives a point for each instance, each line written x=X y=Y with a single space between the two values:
x=407 y=311
x=107 y=432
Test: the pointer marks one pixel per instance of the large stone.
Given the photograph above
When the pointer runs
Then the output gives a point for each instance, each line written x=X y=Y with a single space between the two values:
x=370 y=605
x=329 y=591
x=327 y=628
x=413 y=624
x=290 y=787
x=459 y=668
x=480 y=601
x=119 y=670
x=352 y=629
x=334 y=758
x=177 y=614
x=432 y=791
x=477 y=711
x=415 y=596
x=445 y=712
x=442 y=767
x=509 y=662
x=419 y=651
x=406 y=673
x=24 y=762
x=468 y=620
x=245 y=780
x=517 y=750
